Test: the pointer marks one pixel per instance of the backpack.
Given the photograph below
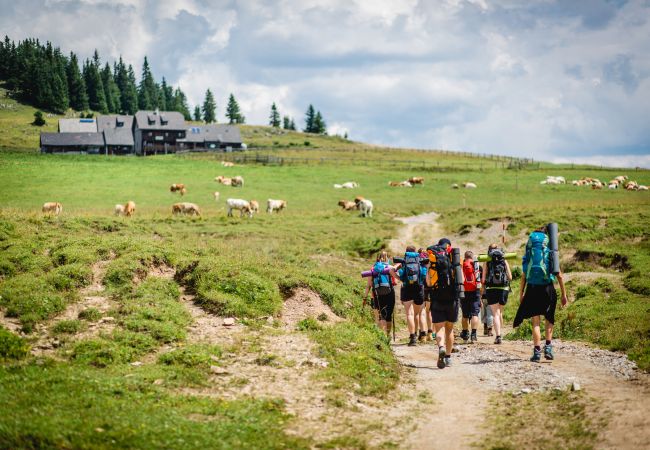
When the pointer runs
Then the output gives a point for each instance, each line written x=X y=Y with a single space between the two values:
x=440 y=270
x=470 y=275
x=537 y=260
x=497 y=272
x=411 y=269
x=381 y=283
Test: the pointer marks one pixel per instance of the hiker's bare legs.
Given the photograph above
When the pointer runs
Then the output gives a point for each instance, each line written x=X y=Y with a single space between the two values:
x=410 y=320
x=384 y=326
x=417 y=309
x=449 y=337
x=427 y=307
x=475 y=322
x=549 y=331
x=496 y=315
x=537 y=335
x=440 y=336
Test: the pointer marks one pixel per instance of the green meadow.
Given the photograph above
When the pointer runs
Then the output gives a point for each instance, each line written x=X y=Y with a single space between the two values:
x=245 y=268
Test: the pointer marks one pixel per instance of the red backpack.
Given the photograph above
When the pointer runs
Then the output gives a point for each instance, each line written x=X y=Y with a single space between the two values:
x=470 y=276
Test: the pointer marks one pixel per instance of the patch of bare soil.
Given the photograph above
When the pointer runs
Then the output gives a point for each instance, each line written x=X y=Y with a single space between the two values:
x=10 y=323
x=305 y=303
x=478 y=239
x=45 y=344
x=420 y=230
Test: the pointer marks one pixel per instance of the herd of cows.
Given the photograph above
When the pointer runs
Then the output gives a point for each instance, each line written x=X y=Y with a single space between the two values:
x=619 y=182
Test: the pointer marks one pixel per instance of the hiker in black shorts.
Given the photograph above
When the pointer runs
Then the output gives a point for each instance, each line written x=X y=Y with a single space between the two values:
x=444 y=303
x=383 y=292
x=426 y=311
x=537 y=295
x=496 y=286
x=471 y=304
x=412 y=275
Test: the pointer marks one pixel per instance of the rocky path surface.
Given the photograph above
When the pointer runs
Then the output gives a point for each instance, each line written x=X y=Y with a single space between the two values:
x=460 y=393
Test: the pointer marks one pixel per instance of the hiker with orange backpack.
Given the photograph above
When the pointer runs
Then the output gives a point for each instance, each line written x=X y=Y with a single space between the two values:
x=444 y=298
x=471 y=304
x=380 y=282
x=537 y=294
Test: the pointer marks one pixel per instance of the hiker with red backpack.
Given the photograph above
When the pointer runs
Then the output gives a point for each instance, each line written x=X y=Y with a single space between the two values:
x=383 y=292
x=470 y=305
x=537 y=294
x=442 y=282
x=413 y=275
x=496 y=286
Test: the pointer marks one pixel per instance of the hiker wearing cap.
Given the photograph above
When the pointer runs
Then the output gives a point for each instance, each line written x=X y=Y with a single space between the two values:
x=383 y=292
x=426 y=311
x=496 y=286
x=537 y=294
x=471 y=303
x=413 y=275
x=444 y=303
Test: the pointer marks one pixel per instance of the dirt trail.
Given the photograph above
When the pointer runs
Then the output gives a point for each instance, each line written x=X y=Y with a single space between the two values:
x=461 y=392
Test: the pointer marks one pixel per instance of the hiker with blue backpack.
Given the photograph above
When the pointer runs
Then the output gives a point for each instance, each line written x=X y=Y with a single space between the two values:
x=537 y=294
x=413 y=276
x=380 y=283
x=496 y=286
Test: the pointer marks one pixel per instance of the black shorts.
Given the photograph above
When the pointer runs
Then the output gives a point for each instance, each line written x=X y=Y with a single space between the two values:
x=471 y=304
x=414 y=292
x=386 y=304
x=539 y=300
x=495 y=296
x=444 y=311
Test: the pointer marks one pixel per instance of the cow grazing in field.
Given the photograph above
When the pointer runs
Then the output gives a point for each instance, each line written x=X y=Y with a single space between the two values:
x=347 y=185
x=347 y=206
x=469 y=185
x=366 y=207
x=243 y=206
x=185 y=208
x=612 y=186
x=226 y=181
x=642 y=187
x=183 y=192
x=255 y=207
x=596 y=185
x=119 y=210
x=275 y=205
x=216 y=195
x=393 y=183
x=455 y=186
x=416 y=180
x=176 y=187
x=227 y=164
x=237 y=181
x=358 y=198
x=52 y=208
x=129 y=209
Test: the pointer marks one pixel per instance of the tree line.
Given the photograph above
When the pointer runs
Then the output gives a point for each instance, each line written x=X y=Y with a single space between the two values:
x=40 y=74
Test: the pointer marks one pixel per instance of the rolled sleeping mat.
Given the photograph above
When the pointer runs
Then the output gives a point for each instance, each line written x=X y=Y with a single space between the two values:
x=455 y=256
x=553 y=245
x=483 y=257
x=369 y=273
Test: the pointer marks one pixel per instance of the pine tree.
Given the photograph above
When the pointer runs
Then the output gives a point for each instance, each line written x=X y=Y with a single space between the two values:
x=197 y=113
x=111 y=91
x=241 y=119
x=292 y=125
x=286 y=122
x=38 y=119
x=129 y=96
x=233 y=112
x=209 y=108
x=76 y=85
x=167 y=102
x=180 y=104
x=309 y=120
x=94 y=85
x=320 y=127
x=148 y=91
x=274 y=117
x=58 y=79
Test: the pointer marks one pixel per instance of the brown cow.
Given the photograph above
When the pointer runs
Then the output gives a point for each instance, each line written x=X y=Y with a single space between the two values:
x=52 y=208
x=347 y=206
x=176 y=187
x=416 y=180
x=129 y=208
x=186 y=208
x=255 y=207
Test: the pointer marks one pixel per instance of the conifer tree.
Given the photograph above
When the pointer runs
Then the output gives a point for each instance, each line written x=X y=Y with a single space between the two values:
x=76 y=85
x=147 y=90
x=94 y=85
x=180 y=104
x=197 y=113
x=292 y=125
x=310 y=115
x=209 y=108
x=274 y=117
x=320 y=127
x=111 y=91
x=286 y=122
x=233 y=112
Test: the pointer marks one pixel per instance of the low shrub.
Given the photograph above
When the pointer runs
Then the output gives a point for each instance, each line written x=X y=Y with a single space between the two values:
x=30 y=298
x=12 y=346
x=68 y=327
x=90 y=314
x=191 y=356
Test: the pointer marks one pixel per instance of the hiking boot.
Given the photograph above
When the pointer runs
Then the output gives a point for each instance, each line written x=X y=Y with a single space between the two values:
x=497 y=340
x=548 y=352
x=489 y=333
x=429 y=337
x=537 y=355
x=473 y=338
x=412 y=342
x=441 y=358
x=422 y=337
x=464 y=335
x=485 y=329
x=447 y=361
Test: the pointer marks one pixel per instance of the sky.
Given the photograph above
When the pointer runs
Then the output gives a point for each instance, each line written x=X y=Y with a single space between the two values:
x=553 y=80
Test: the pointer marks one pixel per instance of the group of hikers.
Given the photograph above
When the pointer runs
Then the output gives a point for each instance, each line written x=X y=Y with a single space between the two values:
x=435 y=284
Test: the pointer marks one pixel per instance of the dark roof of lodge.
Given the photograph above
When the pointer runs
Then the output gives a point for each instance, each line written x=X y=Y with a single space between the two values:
x=160 y=120
x=225 y=134
x=114 y=121
x=72 y=139
x=119 y=136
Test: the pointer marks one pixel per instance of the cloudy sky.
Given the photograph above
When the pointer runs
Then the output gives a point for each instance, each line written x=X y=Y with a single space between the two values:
x=560 y=80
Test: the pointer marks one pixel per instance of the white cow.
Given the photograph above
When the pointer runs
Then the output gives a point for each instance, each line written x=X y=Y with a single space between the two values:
x=366 y=207
x=243 y=206
x=469 y=185
x=119 y=210
x=275 y=205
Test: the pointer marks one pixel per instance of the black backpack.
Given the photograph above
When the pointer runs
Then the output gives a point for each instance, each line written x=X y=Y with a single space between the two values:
x=497 y=273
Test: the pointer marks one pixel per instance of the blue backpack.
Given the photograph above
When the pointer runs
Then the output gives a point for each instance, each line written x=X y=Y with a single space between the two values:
x=411 y=272
x=537 y=262
x=381 y=282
